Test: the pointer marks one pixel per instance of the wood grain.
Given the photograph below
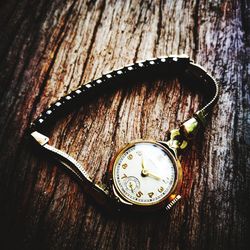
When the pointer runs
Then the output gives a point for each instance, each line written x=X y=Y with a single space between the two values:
x=48 y=48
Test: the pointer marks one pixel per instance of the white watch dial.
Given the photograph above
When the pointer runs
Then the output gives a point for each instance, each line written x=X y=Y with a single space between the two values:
x=144 y=173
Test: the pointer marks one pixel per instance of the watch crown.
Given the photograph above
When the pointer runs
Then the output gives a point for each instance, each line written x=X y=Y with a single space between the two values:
x=173 y=202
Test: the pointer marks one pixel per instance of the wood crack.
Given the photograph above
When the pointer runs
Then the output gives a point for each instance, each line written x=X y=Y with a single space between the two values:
x=59 y=41
x=102 y=8
x=196 y=29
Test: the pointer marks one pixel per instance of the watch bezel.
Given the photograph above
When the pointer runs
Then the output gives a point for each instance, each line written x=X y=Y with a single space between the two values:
x=157 y=204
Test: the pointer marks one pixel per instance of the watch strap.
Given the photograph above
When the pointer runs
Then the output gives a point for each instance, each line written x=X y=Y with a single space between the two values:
x=176 y=65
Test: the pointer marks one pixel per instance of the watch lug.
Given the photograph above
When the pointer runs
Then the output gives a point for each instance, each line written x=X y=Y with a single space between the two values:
x=172 y=149
x=119 y=198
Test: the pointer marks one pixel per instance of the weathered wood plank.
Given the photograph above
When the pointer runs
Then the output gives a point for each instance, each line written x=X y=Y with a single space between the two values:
x=48 y=48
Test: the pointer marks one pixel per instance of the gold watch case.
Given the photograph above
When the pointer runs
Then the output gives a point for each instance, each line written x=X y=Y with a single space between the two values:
x=167 y=201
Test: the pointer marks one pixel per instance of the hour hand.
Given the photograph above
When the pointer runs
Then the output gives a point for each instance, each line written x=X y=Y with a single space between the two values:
x=154 y=176
x=145 y=173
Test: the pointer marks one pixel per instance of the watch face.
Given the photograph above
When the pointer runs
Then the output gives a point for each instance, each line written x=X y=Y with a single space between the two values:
x=144 y=173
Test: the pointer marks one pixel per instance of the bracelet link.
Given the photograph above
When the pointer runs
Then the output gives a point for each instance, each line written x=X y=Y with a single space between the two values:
x=179 y=138
x=176 y=141
x=190 y=127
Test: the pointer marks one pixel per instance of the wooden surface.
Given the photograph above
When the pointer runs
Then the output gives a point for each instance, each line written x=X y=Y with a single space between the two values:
x=48 y=48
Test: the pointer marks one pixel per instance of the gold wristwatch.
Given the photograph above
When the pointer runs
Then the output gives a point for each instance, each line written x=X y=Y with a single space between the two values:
x=145 y=175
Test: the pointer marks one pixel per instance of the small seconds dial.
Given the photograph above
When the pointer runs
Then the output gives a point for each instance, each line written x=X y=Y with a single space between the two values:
x=144 y=173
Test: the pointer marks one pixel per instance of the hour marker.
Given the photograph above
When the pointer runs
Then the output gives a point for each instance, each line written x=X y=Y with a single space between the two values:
x=139 y=153
x=160 y=157
x=150 y=194
x=130 y=156
x=124 y=166
x=88 y=85
x=78 y=91
x=160 y=189
x=166 y=180
x=139 y=194
x=124 y=176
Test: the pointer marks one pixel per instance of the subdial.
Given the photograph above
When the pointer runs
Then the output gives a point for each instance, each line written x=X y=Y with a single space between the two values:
x=131 y=184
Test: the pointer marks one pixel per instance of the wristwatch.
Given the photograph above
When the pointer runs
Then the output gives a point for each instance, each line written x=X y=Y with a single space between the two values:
x=145 y=175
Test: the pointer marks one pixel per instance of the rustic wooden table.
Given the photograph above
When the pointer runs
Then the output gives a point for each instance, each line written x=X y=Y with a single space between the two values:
x=48 y=48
